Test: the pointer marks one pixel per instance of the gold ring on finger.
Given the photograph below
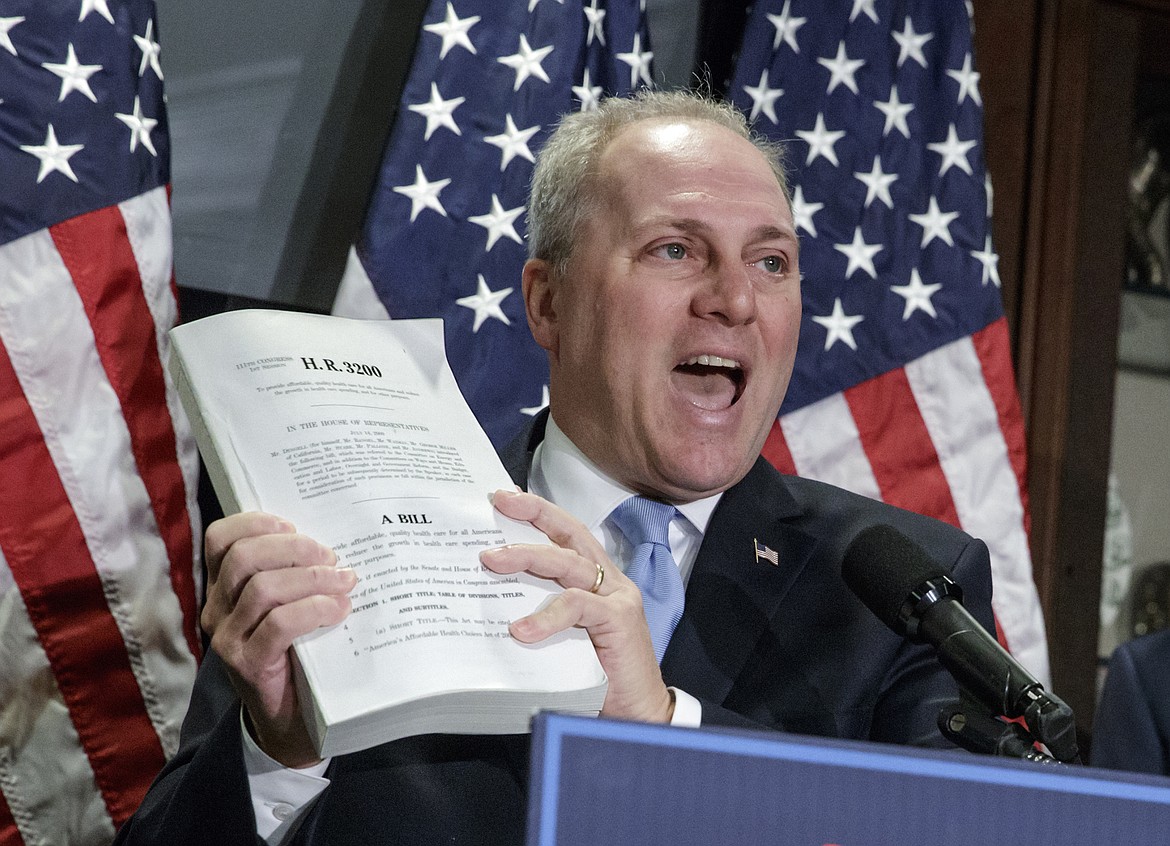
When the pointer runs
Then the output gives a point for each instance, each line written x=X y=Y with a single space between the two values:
x=600 y=578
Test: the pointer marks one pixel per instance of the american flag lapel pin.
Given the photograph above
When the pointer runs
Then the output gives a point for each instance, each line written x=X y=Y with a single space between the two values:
x=764 y=553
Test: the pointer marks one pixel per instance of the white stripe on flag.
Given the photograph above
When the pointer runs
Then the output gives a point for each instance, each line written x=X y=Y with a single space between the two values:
x=47 y=333
x=44 y=773
x=356 y=296
x=825 y=445
x=963 y=423
x=148 y=228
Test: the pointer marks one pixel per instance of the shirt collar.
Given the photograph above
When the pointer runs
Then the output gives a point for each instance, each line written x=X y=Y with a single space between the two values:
x=563 y=474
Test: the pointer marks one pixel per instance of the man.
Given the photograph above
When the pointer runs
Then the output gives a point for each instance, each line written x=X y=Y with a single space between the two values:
x=664 y=283
x=1131 y=729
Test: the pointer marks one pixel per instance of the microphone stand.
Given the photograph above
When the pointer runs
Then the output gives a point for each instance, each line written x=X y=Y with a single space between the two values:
x=966 y=724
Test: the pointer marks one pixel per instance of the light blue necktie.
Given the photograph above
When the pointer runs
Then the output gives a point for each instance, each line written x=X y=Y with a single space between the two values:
x=646 y=524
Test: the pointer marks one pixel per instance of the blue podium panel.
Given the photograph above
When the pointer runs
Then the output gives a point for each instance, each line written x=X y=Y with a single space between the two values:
x=600 y=781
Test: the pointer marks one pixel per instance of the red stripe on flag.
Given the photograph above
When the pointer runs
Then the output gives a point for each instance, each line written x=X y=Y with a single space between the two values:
x=993 y=347
x=898 y=445
x=97 y=254
x=1001 y=636
x=776 y=450
x=55 y=573
x=9 y=833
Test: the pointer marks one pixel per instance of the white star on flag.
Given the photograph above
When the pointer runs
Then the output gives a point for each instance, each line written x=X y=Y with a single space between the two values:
x=53 y=155
x=150 y=51
x=839 y=325
x=866 y=6
x=74 y=75
x=990 y=261
x=438 y=112
x=99 y=6
x=968 y=81
x=895 y=111
x=513 y=142
x=786 y=27
x=6 y=25
x=860 y=254
x=499 y=222
x=485 y=303
x=842 y=69
x=877 y=183
x=596 y=17
x=454 y=31
x=935 y=224
x=639 y=62
x=423 y=194
x=589 y=95
x=917 y=295
x=140 y=128
x=911 y=43
x=953 y=152
x=803 y=211
x=820 y=141
x=526 y=62
x=763 y=98
x=534 y=410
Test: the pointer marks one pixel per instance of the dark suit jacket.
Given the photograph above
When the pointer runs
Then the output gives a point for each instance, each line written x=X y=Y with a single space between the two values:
x=1131 y=730
x=783 y=647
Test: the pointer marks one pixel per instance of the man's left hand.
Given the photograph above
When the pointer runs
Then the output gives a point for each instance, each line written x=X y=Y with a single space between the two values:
x=612 y=615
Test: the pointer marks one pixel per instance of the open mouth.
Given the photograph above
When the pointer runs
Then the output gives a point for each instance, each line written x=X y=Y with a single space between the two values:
x=710 y=382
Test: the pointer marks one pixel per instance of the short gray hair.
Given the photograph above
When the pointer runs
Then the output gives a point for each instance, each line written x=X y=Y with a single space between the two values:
x=563 y=191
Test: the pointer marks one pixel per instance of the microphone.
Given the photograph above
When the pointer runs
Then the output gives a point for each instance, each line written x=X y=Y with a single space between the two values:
x=895 y=578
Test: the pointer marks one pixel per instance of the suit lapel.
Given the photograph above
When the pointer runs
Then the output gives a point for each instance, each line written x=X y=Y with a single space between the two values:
x=517 y=455
x=733 y=596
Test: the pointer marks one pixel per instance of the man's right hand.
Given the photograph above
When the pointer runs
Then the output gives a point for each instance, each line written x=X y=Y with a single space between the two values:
x=266 y=586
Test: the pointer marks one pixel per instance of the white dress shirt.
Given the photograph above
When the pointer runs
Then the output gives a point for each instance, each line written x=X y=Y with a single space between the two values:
x=563 y=475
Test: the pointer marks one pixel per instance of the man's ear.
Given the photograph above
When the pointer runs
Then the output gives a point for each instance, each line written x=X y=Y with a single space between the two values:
x=538 y=283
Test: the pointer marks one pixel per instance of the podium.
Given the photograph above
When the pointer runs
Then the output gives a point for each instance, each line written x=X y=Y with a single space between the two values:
x=605 y=781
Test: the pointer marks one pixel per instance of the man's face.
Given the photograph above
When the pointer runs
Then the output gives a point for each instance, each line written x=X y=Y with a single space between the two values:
x=673 y=333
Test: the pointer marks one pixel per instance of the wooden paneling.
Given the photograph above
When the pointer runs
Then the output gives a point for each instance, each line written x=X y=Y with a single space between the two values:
x=1072 y=281
x=1005 y=34
x=1058 y=84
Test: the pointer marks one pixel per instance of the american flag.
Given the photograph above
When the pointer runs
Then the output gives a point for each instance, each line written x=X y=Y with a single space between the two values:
x=444 y=233
x=99 y=532
x=766 y=553
x=903 y=388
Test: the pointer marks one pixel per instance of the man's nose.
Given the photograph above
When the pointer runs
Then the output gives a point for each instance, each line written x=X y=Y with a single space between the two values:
x=728 y=295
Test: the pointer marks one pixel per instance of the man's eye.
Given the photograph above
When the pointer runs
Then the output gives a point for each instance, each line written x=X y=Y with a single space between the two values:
x=771 y=264
x=673 y=251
